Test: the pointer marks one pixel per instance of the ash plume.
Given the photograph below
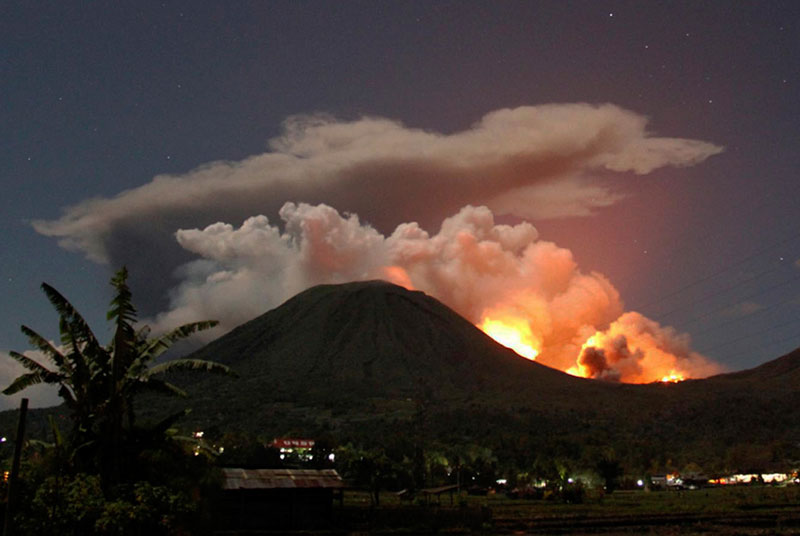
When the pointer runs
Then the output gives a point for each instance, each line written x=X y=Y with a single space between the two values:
x=531 y=162
x=479 y=268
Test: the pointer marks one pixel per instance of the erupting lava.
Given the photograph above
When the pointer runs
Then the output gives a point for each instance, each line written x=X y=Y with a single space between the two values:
x=672 y=377
x=514 y=333
x=596 y=355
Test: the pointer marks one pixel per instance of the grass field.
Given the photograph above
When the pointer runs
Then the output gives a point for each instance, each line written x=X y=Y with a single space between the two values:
x=731 y=510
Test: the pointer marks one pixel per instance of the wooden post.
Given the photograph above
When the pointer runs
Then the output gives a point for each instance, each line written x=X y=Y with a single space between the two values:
x=11 y=502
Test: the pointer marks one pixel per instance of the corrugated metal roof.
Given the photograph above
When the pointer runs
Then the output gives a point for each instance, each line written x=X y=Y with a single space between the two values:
x=440 y=489
x=234 y=478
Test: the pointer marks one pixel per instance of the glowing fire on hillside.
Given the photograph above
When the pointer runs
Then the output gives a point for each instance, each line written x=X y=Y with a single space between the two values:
x=514 y=333
x=672 y=377
x=555 y=315
x=607 y=356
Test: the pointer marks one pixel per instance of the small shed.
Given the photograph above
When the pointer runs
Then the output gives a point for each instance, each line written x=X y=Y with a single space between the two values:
x=437 y=492
x=278 y=499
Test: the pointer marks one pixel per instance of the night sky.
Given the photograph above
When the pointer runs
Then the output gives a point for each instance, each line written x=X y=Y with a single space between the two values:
x=99 y=98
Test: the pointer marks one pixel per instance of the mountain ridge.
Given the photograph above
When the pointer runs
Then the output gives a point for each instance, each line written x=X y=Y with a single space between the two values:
x=368 y=361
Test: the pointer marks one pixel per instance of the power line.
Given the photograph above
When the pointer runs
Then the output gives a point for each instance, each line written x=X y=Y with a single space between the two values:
x=766 y=199
x=745 y=316
x=715 y=293
x=749 y=335
x=750 y=257
x=747 y=297
x=767 y=345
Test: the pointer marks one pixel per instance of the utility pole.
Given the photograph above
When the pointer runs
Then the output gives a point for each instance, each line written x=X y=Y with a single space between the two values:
x=11 y=503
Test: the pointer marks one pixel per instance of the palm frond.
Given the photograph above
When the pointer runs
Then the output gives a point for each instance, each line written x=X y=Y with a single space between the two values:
x=66 y=393
x=79 y=369
x=122 y=309
x=23 y=382
x=43 y=345
x=137 y=369
x=66 y=310
x=143 y=333
x=29 y=363
x=58 y=438
x=200 y=365
x=160 y=386
x=157 y=346
x=66 y=336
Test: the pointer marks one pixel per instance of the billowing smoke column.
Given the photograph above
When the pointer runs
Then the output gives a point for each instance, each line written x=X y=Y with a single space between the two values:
x=636 y=349
x=530 y=162
x=527 y=293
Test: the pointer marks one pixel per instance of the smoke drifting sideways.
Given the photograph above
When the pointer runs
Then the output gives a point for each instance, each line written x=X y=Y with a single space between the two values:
x=481 y=269
x=532 y=162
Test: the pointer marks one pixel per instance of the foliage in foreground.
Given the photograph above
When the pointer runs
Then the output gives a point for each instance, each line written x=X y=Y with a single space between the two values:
x=109 y=474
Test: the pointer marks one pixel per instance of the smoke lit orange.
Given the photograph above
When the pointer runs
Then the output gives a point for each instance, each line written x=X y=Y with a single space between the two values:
x=601 y=356
x=579 y=369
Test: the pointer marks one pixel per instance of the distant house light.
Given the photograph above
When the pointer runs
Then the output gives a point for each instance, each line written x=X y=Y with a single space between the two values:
x=295 y=446
x=290 y=442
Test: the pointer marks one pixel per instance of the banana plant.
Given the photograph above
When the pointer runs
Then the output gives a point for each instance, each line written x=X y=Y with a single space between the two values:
x=99 y=383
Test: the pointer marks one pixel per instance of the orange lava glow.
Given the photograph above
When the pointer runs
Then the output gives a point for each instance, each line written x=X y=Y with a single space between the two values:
x=512 y=332
x=578 y=370
x=672 y=377
x=651 y=363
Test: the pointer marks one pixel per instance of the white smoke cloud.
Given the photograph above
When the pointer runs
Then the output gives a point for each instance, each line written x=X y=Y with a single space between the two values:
x=532 y=162
x=477 y=267
x=40 y=396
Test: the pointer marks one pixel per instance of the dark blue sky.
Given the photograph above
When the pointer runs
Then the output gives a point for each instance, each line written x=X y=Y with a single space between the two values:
x=101 y=97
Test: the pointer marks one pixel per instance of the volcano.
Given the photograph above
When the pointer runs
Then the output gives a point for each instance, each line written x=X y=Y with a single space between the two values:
x=367 y=361
x=375 y=339
x=369 y=356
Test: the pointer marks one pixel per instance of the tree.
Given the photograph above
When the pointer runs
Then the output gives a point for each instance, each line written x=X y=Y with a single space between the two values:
x=609 y=469
x=99 y=383
x=370 y=468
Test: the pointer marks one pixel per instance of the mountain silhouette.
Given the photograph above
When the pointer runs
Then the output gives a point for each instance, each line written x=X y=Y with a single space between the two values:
x=370 y=360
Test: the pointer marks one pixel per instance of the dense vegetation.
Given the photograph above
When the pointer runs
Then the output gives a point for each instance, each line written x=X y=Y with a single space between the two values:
x=376 y=366
x=108 y=473
x=404 y=393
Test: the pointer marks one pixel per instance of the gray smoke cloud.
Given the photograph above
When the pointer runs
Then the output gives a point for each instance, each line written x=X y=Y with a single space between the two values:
x=531 y=162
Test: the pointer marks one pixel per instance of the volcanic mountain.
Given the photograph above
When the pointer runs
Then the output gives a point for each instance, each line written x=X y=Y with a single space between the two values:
x=342 y=345
x=369 y=361
x=369 y=357
x=376 y=339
